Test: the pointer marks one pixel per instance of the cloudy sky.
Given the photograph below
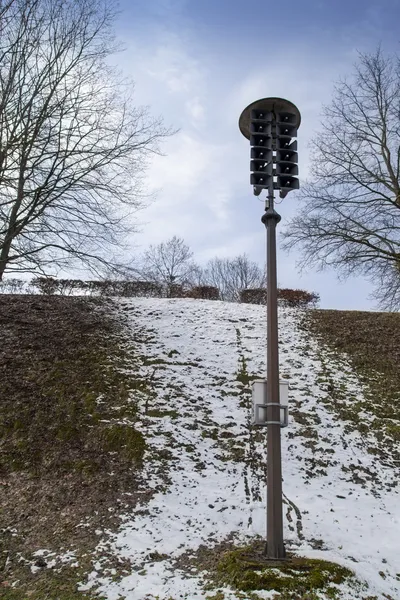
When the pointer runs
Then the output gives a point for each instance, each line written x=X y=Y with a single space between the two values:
x=199 y=63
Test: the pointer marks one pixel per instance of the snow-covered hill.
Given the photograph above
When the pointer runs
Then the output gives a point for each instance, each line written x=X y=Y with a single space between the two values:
x=341 y=502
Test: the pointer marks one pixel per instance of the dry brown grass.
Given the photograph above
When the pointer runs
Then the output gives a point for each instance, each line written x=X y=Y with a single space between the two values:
x=371 y=341
x=62 y=458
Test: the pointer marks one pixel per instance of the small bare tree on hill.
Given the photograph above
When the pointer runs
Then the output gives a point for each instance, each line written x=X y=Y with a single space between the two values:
x=73 y=148
x=170 y=263
x=232 y=275
x=350 y=215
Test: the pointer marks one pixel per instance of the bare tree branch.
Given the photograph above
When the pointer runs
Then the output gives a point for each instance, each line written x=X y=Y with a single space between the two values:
x=170 y=262
x=350 y=210
x=73 y=148
x=232 y=275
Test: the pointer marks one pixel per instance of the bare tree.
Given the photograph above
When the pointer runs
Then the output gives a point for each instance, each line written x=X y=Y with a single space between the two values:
x=73 y=148
x=231 y=275
x=197 y=276
x=350 y=215
x=170 y=262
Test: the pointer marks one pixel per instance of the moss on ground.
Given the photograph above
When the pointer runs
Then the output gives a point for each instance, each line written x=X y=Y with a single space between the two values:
x=247 y=571
x=244 y=570
x=160 y=413
x=125 y=440
x=60 y=382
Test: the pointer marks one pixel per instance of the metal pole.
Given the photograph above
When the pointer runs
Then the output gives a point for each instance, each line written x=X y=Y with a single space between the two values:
x=275 y=547
x=266 y=118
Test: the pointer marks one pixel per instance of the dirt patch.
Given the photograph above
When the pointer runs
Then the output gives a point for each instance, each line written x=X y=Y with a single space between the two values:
x=70 y=456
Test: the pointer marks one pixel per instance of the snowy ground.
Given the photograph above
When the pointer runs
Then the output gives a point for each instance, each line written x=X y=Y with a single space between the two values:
x=338 y=497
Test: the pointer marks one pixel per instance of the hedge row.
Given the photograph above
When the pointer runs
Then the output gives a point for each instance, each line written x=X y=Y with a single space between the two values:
x=286 y=297
x=204 y=292
x=50 y=285
x=12 y=286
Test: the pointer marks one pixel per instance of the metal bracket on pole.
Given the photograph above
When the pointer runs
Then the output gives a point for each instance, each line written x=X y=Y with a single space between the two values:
x=285 y=421
x=258 y=421
x=260 y=404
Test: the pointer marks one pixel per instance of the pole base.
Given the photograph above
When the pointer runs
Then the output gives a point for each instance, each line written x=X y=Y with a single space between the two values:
x=275 y=558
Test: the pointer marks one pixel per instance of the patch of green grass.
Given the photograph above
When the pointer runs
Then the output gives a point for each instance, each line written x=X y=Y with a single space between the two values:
x=171 y=353
x=247 y=571
x=308 y=432
x=63 y=421
x=243 y=448
x=243 y=570
x=125 y=440
x=211 y=433
x=242 y=375
x=160 y=362
x=158 y=412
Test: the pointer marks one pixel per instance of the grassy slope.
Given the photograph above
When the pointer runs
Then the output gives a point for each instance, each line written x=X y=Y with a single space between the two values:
x=371 y=341
x=321 y=455
x=58 y=444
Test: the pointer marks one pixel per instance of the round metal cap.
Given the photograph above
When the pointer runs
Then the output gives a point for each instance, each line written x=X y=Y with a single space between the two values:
x=267 y=104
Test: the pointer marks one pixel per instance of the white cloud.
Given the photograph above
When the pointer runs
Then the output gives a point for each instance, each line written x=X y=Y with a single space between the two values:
x=195 y=110
x=171 y=65
x=183 y=168
x=193 y=201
